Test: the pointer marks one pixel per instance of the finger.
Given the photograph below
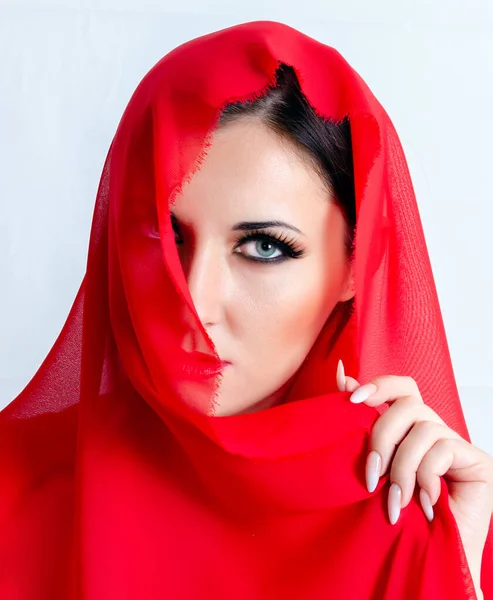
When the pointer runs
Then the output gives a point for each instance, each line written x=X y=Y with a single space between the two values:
x=469 y=474
x=351 y=384
x=392 y=427
x=386 y=388
x=459 y=460
x=344 y=382
x=410 y=454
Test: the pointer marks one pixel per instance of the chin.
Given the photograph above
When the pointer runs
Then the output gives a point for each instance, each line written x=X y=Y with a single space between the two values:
x=227 y=405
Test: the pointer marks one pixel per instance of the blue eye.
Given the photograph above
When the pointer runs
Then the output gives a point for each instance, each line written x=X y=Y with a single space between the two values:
x=270 y=247
x=265 y=244
x=265 y=248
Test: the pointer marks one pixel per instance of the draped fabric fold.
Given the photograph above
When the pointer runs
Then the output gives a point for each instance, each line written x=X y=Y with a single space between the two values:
x=116 y=481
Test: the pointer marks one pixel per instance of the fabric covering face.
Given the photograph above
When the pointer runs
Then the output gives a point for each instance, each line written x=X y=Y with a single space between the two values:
x=116 y=481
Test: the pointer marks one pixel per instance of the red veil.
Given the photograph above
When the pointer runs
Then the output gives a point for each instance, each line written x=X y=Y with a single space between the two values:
x=116 y=483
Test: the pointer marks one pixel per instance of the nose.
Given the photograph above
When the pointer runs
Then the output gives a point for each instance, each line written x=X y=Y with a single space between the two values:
x=204 y=274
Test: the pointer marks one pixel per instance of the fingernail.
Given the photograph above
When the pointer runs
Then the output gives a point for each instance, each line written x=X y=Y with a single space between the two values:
x=373 y=465
x=424 y=498
x=363 y=393
x=394 y=503
x=341 y=377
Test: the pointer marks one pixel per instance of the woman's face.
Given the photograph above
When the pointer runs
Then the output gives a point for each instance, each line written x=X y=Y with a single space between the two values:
x=262 y=301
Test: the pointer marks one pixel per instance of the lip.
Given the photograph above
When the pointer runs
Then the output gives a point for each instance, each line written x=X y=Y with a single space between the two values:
x=204 y=357
x=200 y=364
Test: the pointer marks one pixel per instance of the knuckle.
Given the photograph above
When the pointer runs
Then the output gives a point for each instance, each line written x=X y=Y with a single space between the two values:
x=411 y=382
x=386 y=379
x=410 y=399
x=425 y=428
x=445 y=444
x=412 y=388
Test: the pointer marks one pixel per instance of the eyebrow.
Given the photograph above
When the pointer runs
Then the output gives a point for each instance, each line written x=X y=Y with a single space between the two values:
x=247 y=225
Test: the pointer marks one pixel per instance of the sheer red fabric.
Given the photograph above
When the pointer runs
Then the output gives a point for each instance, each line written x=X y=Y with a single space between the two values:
x=116 y=481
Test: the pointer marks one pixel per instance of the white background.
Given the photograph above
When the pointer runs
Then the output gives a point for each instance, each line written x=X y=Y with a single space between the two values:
x=68 y=69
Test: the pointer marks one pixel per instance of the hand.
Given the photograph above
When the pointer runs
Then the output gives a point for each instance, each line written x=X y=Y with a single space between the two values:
x=425 y=449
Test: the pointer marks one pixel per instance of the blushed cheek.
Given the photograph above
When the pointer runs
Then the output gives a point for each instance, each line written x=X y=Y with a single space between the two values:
x=301 y=317
x=284 y=325
x=275 y=329
x=308 y=297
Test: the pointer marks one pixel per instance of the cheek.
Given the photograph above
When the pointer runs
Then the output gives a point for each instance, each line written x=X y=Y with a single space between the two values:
x=286 y=310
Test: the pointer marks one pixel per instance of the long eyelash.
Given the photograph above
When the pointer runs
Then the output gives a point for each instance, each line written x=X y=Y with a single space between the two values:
x=288 y=245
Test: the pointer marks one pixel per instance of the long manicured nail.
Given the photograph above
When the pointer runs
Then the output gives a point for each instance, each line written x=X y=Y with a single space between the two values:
x=424 y=498
x=394 y=503
x=363 y=393
x=373 y=465
x=341 y=377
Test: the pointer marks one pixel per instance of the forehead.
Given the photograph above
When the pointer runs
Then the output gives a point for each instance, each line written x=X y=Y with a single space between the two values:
x=249 y=167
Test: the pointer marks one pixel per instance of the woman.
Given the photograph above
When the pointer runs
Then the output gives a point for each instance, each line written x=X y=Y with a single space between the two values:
x=255 y=233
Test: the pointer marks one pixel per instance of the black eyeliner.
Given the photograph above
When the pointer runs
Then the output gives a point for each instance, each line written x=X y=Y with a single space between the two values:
x=287 y=245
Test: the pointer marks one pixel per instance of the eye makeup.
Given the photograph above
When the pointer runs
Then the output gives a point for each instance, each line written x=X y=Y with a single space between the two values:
x=289 y=247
